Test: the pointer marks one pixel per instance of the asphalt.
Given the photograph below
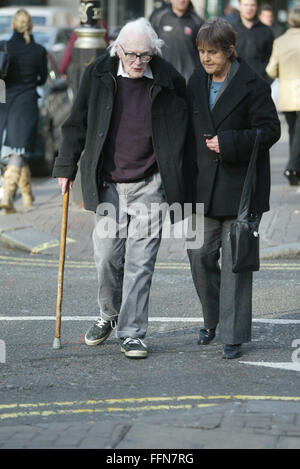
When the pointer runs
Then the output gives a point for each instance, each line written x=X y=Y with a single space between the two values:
x=237 y=421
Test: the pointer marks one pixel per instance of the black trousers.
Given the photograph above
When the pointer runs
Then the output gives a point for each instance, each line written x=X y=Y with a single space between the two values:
x=293 y=121
x=226 y=298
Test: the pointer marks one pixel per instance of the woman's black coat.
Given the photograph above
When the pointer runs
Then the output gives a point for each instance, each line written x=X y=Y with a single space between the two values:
x=88 y=124
x=244 y=106
x=27 y=70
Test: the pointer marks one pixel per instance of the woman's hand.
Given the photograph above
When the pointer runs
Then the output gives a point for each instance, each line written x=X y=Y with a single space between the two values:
x=65 y=183
x=213 y=144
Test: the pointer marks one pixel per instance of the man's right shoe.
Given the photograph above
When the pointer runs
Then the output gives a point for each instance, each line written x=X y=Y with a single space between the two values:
x=206 y=336
x=99 y=331
x=134 y=348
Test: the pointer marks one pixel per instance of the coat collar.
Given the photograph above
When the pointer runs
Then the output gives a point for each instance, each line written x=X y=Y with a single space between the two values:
x=107 y=65
x=236 y=90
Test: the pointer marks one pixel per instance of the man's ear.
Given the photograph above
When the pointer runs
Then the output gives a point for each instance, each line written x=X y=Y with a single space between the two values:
x=118 y=51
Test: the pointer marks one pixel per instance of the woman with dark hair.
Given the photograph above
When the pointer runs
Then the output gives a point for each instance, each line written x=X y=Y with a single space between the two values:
x=228 y=102
x=19 y=115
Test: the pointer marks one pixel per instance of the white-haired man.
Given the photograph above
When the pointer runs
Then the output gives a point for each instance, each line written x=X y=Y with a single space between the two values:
x=130 y=118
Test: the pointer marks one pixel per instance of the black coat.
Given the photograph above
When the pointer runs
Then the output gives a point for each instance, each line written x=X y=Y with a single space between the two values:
x=245 y=105
x=254 y=45
x=179 y=34
x=27 y=70
x=88 y=124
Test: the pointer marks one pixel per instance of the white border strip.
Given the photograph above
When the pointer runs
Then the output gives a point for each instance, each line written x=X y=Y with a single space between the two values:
x=151 y=319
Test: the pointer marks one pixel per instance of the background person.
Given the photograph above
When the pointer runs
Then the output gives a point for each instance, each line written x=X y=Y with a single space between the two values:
x=19 y=115
x=254 y=39
x=266 y=16
x=228 y=101
x=178 y=25
x=285 y=64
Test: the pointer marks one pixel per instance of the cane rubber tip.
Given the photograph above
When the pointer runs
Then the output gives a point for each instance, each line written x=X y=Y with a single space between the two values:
x=56 y=343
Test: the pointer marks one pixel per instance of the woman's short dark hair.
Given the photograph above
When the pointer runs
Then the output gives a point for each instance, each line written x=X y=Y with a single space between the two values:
x=219 y=34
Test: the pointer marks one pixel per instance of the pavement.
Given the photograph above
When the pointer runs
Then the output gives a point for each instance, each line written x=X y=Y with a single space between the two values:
x=266 y=422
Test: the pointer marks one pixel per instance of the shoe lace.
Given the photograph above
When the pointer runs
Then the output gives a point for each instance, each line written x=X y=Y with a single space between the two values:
x=134 y=341
x=103 y=322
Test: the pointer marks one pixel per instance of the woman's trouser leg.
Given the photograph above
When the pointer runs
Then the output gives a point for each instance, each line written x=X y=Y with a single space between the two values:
x=206 y=272
x=235 y=297
x=226 y=298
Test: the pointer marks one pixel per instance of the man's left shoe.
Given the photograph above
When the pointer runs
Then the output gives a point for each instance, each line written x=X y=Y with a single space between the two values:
x=232 y=351
x=134 y=348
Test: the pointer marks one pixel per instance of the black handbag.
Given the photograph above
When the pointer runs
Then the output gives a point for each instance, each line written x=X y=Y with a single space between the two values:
x=4 y=59
x=244 y=236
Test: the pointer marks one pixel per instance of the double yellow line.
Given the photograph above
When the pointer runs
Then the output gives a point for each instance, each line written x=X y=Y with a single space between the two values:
x=125 y=405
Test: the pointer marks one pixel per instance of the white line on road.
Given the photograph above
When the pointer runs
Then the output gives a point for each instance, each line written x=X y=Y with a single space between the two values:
x=151 y=319
x=292 y=366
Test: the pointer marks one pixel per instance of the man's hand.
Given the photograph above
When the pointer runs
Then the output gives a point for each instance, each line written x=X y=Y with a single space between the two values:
x=213 y=144
x=65 y=183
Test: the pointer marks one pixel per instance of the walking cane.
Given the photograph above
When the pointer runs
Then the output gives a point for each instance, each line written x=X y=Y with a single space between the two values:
x=63 y=237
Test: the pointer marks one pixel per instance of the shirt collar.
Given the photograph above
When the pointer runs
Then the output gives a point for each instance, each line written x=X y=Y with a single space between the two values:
x=148 y=72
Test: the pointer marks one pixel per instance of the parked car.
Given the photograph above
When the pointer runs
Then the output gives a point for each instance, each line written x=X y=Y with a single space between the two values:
x=41 y=16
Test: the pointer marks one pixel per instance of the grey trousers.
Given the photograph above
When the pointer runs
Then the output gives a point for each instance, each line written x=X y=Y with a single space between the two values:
x=125 y=252
x=226 y=297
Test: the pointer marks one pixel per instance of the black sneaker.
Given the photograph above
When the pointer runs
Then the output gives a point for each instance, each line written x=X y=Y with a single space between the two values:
x=206 y=336
x=99 y=331
x=133 y=348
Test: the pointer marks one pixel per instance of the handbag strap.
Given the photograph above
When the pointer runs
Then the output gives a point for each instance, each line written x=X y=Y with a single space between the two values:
x=249 y=184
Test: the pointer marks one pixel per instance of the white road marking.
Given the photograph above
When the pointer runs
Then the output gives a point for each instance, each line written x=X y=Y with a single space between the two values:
x=292 y=366
x=151 y=319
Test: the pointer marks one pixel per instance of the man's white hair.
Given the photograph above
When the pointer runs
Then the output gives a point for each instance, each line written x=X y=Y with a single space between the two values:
x=139 y=26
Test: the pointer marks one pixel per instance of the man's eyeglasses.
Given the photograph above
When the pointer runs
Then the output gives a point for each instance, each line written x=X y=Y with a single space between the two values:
x=132 y=56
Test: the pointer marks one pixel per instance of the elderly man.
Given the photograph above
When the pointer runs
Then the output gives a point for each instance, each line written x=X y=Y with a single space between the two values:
x=130 y=118
x=178 y=24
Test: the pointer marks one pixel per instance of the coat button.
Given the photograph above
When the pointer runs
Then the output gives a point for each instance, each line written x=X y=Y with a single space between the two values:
x=101 y=134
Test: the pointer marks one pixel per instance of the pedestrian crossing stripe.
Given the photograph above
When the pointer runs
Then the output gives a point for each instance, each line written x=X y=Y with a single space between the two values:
x=121 y=405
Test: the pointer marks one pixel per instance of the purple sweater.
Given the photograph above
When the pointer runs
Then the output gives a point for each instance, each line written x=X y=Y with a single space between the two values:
x=128 y=150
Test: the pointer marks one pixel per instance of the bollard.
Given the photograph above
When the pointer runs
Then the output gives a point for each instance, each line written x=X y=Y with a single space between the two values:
x=88 y=46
